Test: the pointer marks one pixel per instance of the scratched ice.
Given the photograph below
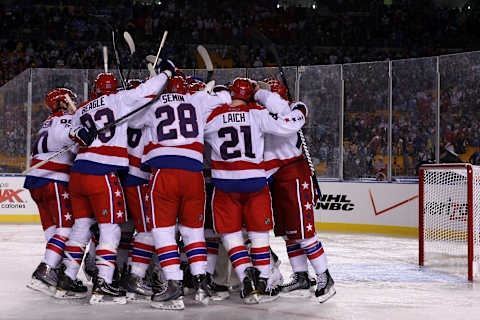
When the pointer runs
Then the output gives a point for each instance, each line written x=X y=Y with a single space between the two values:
x=377 y=277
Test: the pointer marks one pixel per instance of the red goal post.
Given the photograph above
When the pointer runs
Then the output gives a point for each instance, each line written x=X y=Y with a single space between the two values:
x=449 y=218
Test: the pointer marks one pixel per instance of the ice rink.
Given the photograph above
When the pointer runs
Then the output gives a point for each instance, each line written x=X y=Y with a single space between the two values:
x=377 y=277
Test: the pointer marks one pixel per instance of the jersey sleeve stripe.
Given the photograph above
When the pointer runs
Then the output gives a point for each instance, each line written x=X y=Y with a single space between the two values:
x=53 y=166
x=236 y=165
x=106 y=151
x=196 y=146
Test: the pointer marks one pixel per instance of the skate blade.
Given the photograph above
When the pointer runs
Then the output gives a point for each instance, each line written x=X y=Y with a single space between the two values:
x=64 y=294
x=42 y=287
x=326 y=296
x=201 y=297
x=267 y=298
x=176 y=304
x=251 y=299
x=133 y=297
x=299 y=293
x=220 y=296
x=102 y=299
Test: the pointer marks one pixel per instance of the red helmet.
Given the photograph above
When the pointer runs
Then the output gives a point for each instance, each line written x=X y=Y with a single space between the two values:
x=133 y=83
x=57 y=95
x=277 y=86
x=241 y=88
x=105 y=83
x=176 y=85
x=195 y=87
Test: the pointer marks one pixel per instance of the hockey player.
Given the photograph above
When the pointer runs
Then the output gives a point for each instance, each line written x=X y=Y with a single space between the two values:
x=48 y=185
x=176 y=191
x=135 y=185
x=292 y=197
x=241 y=196
x=95 y=186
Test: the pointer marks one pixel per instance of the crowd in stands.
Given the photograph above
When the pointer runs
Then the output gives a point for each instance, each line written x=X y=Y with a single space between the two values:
x=70 y=34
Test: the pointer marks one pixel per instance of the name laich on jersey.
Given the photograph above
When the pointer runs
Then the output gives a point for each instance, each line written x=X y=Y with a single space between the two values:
x=234 y=117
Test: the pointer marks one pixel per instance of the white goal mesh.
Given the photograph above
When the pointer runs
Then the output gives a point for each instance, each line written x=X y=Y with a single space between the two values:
x=449 y=218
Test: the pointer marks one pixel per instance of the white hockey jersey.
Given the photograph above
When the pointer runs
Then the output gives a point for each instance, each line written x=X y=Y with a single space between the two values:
x=108 y=152
x=279 y=150
x=52 y=137
x=137 y=174
x=236 y=135
x=176 y=125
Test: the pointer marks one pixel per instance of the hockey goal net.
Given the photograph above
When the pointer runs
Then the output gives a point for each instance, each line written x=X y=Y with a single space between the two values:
x=449 y=218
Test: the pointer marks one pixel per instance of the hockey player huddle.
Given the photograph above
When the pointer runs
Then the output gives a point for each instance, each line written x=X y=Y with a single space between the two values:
x=149 y=170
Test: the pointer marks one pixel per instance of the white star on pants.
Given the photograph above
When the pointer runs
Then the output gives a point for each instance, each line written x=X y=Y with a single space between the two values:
x=309 y=227
x=68 y=216
x=119 y=214
x=305 y=185
x=65 y=195
x=118 y=193
x=308 y=206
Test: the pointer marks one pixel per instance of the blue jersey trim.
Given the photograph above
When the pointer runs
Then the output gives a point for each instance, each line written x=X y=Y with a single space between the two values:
x=240 y=185
x=132 y=181
x=176 y=162
x=32 y=182
x=95 y=168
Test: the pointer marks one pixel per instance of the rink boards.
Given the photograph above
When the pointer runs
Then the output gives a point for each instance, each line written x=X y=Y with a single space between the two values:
x=370 y=207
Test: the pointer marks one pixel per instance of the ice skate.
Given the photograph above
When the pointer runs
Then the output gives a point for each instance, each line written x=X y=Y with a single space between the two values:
x=266 y=293
x=299 y=286
x=89 y=267
x=44 y=279
x=68 y=288
x=325 y=289
x=202 y=289
x=249 y=292
x=104 y=293
x=137 y=289
x=218 y=291
x=171 y=298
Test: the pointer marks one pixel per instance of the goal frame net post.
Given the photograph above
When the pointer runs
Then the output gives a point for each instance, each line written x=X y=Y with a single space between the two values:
x=449 y=216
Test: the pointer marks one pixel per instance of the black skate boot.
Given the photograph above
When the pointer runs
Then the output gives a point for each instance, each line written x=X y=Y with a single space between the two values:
x=202 y=290
x=68 y=288
x=188 y=282
x=137 y=289
x=299 y=286
x=104 y=293
x=325 y=289
x=266 y=292
x=44 y=279
x=249 y=292
x=89 y=267
x=219 y=292
x=171 y=298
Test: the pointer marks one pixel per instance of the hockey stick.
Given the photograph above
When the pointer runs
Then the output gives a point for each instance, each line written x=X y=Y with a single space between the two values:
x=160 y=48
x=263 y=39
x=105 y=59
x=105 y=128
x=119 y=66
x=207 y=61
x=131 y=45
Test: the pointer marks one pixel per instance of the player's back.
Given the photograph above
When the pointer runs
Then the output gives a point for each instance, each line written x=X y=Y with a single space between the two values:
x=53 y=136
x=176 y=125
x=237 y=143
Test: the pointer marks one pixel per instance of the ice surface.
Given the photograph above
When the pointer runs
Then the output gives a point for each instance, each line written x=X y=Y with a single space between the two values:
x=377 y=277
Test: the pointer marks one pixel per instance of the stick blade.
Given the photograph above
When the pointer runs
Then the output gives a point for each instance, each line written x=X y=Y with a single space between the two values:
x=128 y=38
x=205 y=57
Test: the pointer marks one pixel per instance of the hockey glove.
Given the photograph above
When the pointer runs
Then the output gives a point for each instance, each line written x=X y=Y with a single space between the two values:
x=219 y=88
x=82 y=136
x=299 y=106
x=168 y=67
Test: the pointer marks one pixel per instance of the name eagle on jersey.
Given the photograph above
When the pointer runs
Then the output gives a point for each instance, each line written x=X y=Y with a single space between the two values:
x=233 y=117
x=97 y=103
x=172 y=97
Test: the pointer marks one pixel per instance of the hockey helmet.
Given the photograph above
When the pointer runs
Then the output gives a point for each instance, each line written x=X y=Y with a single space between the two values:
x=57 y=95
x=195 y=87
x=105 y=83
x=176 y=85
x=241 y=88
